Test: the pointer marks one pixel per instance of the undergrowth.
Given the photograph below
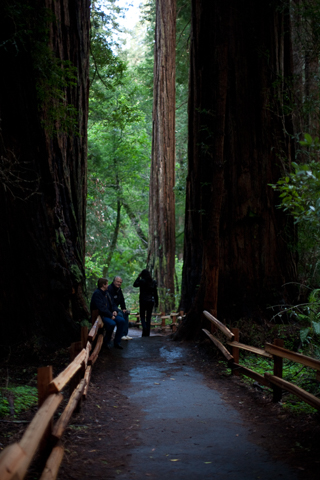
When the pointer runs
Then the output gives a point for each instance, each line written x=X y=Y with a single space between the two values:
x=303 y=377
x=16 y=399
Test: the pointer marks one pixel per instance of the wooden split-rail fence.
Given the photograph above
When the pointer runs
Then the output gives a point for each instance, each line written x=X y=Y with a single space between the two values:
x=43 y=434
x=273 y=351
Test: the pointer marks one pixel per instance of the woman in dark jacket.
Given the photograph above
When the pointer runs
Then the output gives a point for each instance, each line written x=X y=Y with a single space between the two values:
x=148 y=299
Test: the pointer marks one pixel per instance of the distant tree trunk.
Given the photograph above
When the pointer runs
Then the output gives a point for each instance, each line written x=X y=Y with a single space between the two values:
x=114 y=240
x=161 y=251
x=43 y=168
x=236 y=241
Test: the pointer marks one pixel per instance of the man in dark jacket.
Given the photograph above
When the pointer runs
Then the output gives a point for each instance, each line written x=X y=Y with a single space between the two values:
x=117 y=300
x=101 y=301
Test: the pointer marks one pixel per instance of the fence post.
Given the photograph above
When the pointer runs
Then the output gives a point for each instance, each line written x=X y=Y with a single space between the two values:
x=235 y=352
x=277 y=371
x=44 y=377
x=84 y=336
x=163 y=322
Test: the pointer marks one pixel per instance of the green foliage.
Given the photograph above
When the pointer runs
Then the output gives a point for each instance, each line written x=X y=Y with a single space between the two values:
x=24 y=397
x=119 y=147
x=300 y=189
x=301 y=376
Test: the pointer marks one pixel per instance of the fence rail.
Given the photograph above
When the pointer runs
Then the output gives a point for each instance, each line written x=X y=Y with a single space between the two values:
x=273 y=351
x=41 y=434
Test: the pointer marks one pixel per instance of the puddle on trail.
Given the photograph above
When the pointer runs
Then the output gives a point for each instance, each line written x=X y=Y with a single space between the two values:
x=170 y=355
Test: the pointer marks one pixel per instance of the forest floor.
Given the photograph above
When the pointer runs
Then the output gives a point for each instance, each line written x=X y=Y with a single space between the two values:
x=161 y=407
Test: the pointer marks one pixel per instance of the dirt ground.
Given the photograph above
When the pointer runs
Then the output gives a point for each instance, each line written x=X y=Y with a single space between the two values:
x=104 y=438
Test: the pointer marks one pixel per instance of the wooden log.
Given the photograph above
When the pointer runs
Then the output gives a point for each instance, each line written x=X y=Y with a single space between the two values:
x=63 y=421
x=277 y=371
x=84 y=336
x=299 y=392
x=53 y=463
x=10 y=459
x=64 y=377
x=250 y=373
x=295 y=357
x=97 y=348
x=235 y=349
x=95 y=328
x=87 y=377
x=94 y=316
x=218 y=344
x=218 y=324
x=75 y=349
x=88 y=350
x=249 y=348
x=33 y=434
x=44 y=377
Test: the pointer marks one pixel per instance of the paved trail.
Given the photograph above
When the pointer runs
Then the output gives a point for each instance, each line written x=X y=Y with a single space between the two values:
x=156 y=416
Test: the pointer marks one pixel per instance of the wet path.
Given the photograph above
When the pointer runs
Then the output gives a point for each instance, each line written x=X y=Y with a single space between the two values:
x=162 y=418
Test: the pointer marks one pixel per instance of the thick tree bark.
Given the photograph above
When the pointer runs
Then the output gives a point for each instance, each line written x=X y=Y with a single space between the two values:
x=43 y=169
x=161 y=251
x=236 y=240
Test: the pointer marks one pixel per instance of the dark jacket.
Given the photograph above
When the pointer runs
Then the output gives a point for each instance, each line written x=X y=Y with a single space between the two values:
x=117 y=297
x=148 y=291
x=101 y=301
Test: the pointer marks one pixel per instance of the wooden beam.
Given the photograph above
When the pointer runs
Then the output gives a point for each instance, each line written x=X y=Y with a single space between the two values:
x=63 y=421
x=88 y=350
x=218 y=344
x=94 y=330
x=295 y=357
x=277 y=370
x=53 y=463
x=242 y=346
x=87 y=377
x=10 y=459
x=97 y=348
x=33 y=434
x=44 y=377
x=299 y=392
x=235 y=349
x=84 y=336
x=250 y=373
x=219 y=325
x=64 y=377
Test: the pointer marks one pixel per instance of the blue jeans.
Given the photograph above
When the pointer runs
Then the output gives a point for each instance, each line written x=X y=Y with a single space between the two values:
x=126 y=320
x=109 y=326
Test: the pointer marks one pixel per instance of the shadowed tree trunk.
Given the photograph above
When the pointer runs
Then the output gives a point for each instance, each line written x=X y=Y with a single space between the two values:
x=161 y=251
x=43 y=108
x=236 y=254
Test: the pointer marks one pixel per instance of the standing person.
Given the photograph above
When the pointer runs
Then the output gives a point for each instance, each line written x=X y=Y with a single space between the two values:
x=148 y=299
x=101 y=301
x=117 y=299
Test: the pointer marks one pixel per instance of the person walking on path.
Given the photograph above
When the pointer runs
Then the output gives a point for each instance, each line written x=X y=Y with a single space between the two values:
x=148 y=299
x=101 y=301
x=117 y=299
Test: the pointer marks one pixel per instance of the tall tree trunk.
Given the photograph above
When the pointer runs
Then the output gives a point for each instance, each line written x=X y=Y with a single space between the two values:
x=236 y=240
x=161 y=251
x=43 y=168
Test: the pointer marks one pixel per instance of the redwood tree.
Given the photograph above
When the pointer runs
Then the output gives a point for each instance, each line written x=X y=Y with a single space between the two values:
x=43 y=108
x=236 y=254
x=161 y=251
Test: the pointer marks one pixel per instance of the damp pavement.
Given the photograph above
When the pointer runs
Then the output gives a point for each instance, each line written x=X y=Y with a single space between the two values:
x=152 y=413
x=186 y=430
